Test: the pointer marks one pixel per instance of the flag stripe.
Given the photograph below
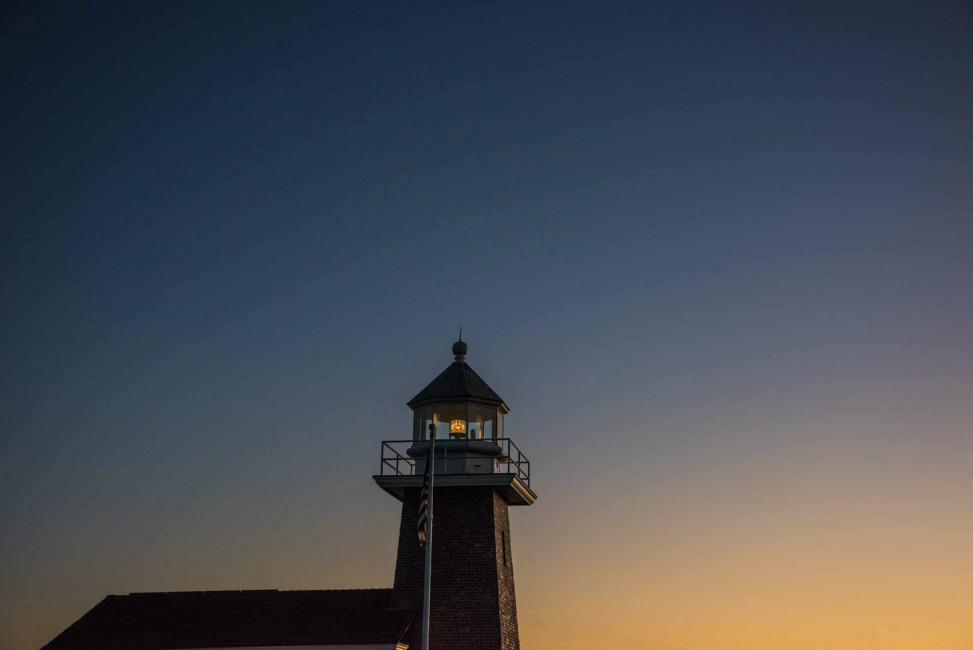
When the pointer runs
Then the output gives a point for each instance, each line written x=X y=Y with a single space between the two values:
x=423 y=506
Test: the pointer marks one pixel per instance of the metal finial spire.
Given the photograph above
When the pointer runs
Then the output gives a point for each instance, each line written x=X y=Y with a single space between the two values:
x=460 y=348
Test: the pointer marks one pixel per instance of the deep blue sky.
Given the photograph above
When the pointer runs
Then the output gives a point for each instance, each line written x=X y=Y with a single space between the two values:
x=238 y=237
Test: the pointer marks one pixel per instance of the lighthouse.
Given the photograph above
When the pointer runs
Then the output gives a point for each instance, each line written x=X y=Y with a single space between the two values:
x=479 y=474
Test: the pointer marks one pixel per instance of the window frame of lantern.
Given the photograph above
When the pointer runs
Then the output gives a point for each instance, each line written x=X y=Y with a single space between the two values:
x=482 y=421
x=422 y=417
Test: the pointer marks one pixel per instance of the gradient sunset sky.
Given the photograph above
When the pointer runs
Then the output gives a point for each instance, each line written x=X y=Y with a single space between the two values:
x=717 y=258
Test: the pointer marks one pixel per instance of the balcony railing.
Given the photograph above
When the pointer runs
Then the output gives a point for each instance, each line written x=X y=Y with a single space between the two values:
x=510 y=460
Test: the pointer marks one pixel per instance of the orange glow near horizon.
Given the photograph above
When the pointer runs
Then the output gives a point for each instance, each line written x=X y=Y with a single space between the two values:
x=835 y=545
x=858 y=540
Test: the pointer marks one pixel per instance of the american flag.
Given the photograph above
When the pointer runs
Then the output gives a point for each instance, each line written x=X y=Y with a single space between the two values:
x=424 y=506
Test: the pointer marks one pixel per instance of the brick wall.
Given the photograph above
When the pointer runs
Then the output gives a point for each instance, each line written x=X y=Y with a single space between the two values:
x=473 y=604
x=510 y=639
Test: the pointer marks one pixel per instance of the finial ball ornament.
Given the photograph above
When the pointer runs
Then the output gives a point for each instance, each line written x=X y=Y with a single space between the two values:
x=459 y=349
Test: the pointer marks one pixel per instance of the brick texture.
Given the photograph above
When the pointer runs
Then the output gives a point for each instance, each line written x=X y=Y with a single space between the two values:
x=473 y=605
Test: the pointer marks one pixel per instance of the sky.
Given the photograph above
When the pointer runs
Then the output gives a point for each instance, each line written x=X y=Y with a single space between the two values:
x=716 y=257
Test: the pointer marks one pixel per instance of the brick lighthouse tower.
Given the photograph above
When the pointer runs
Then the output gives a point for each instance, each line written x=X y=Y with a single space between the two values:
x=479 y=474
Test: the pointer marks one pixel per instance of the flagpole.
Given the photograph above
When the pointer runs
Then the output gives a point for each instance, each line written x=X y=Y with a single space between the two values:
x=428 y=580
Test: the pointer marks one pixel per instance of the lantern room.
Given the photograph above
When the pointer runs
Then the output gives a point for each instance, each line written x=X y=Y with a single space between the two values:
x=458 y=404
x=458 y=421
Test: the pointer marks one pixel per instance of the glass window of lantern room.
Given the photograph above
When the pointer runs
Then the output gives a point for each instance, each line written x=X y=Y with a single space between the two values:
x=452 y=421
x=483 y=421
x=420 y=423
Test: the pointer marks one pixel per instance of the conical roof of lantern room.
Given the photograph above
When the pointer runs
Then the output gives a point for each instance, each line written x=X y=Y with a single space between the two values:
x=458 y=383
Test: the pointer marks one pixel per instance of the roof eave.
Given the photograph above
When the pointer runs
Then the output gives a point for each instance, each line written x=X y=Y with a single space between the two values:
x=414 y=404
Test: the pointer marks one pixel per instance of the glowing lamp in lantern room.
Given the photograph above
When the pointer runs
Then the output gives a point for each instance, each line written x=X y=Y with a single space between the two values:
x=457 y=428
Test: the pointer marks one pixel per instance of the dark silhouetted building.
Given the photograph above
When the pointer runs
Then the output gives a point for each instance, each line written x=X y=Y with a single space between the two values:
x=479 y=474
